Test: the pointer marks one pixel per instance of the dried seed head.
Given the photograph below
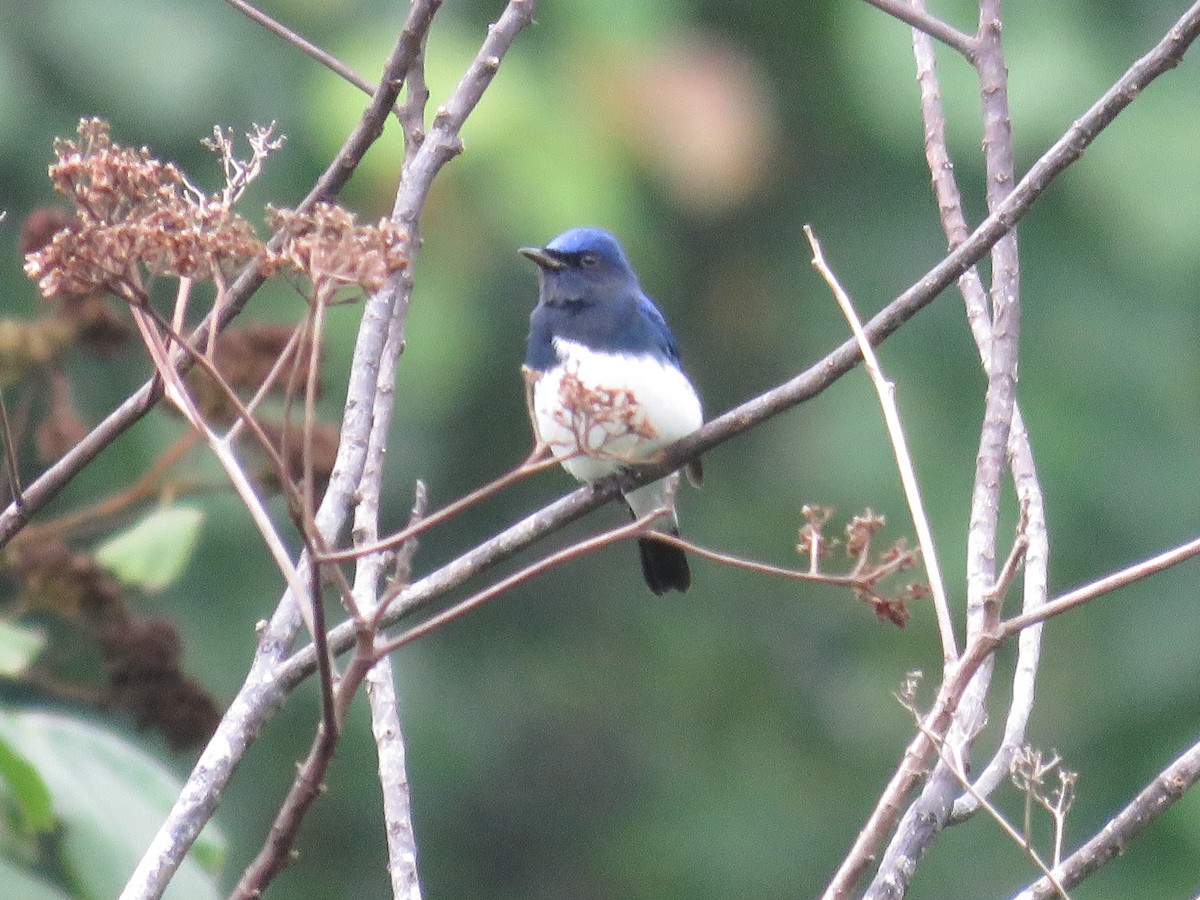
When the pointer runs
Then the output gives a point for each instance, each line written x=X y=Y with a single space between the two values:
x=134 y=215
x=333 y=253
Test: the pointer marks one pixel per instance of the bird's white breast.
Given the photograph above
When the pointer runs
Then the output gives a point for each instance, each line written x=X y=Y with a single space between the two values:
x=600 y=411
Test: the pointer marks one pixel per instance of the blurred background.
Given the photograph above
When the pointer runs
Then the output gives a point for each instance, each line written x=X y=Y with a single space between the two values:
x=579 y=737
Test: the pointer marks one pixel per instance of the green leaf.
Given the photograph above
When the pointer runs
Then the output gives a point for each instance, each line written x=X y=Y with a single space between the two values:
x=153 y=553
x=110 y=798
x=18 y=647
x=28 y=787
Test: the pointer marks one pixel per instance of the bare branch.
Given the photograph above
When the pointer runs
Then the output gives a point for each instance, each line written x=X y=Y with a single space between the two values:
x=1020 y=452
x=1101 y=586
x=329 y=61
x=886 y=391
x=389 y=743
x=922 y=21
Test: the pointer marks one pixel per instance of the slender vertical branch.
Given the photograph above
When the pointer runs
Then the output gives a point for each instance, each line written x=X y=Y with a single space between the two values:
x=908 y=476
x=1020 y=451
x=389 y=739
x=930 y=811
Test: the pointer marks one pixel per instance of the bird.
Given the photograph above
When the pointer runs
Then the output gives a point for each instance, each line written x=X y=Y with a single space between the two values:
x=607 y=388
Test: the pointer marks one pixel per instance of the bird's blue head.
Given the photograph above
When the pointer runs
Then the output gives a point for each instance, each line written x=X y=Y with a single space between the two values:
x=590 y=294
x=583 y=264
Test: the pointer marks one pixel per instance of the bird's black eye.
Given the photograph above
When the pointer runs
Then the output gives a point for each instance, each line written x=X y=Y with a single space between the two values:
x=589 y=260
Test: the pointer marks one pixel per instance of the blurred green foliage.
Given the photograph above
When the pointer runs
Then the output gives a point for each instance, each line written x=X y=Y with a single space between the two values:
x=579 y=738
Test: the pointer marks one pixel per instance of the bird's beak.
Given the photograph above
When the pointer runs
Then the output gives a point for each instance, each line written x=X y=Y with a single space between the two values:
x=542 y=258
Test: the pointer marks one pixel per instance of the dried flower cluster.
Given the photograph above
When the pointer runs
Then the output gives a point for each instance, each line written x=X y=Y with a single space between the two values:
x=866 y=573
x=135 y=216
x=602 y=422
x=327 y=247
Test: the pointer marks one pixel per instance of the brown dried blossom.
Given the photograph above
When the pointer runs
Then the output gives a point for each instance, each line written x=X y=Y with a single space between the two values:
x=146 y=679
x=333 y=253
x=869 y=570
x=143 y=657
x=597 y=416
x=135 y=216
x=55 y=578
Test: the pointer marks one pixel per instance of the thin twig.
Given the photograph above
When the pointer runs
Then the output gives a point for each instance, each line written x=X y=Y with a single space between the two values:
x=574 y=551
x=1101 y=586
x=851 y=579
x=958 y=770
x=886 y=391
x=922 y=21
x=329 y=61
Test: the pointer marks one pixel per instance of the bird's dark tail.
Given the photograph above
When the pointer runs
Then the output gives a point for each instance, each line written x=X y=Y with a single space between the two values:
x=664 y=566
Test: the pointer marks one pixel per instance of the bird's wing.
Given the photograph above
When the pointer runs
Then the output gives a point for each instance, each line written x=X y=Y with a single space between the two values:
x=539 y=350
x=660 y=329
